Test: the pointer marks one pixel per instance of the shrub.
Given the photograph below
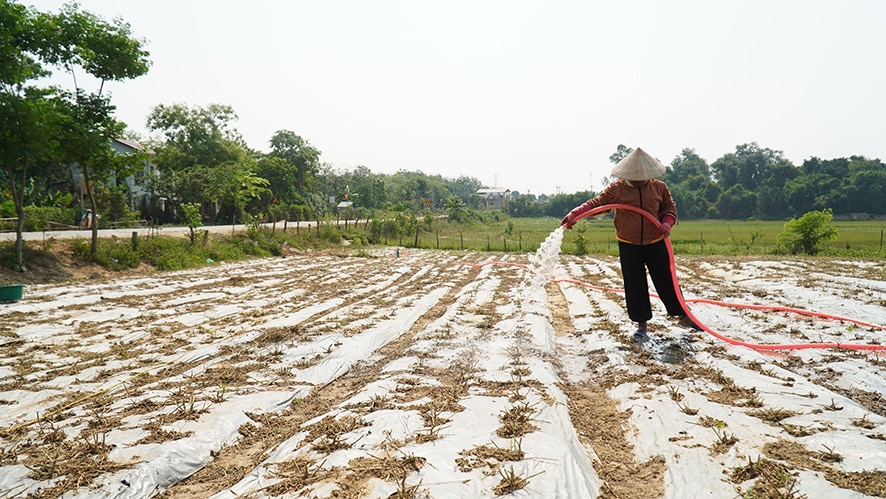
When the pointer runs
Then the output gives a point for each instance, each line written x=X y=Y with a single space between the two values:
x=112 y=254
x=808 y=232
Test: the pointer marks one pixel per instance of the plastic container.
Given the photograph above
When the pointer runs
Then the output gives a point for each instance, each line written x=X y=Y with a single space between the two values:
x=12 y=292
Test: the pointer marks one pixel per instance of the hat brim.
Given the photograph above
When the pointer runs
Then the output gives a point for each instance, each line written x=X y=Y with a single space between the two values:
x=638 y=165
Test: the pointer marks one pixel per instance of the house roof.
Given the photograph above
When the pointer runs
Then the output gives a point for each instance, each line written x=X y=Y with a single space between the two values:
x=135 y=146
x=130 y=144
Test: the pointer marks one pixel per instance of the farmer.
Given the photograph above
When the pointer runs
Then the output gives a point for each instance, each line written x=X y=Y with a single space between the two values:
x=641 y=244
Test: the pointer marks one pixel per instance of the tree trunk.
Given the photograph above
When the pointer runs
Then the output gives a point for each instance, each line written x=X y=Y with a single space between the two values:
x=18 y=200
x=90 y=194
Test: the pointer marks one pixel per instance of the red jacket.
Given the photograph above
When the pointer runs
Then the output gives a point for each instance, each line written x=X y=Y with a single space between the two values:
x=653 y=196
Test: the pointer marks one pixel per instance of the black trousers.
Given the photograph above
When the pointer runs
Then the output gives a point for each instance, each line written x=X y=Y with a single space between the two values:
x=634 y=262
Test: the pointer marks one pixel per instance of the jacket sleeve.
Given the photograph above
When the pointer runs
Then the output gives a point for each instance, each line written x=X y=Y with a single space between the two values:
x=608 y=196
x=667 y=205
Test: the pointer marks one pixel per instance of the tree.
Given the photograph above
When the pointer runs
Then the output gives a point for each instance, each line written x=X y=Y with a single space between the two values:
x=234 y=184
x=867 y=188
x=70 y=40
x=808 y=192
x=736 y=203
x=838 y=168
x=465 y=187
x=686 y=165
x=23 y=109
x=192 y=218
x=746 y=166
x=199 y=157
x=523 y=206
x=299 y=154
x=808 y=232
x=620 y=153
x=24 y=123
x=456 y=210
x=89 y=127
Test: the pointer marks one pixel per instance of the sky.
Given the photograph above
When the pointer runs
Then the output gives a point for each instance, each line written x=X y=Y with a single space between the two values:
x=527 y=95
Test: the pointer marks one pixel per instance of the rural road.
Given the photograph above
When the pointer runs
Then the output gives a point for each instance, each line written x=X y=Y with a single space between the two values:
x=142 y=231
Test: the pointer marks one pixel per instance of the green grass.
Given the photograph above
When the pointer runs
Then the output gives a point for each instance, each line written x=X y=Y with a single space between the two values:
x=862 y=239
x=176 y=253
x=857 y=239
x=731 y=237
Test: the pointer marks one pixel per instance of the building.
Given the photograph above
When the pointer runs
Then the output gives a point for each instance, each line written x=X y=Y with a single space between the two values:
x=495 y=198
x=139 y=197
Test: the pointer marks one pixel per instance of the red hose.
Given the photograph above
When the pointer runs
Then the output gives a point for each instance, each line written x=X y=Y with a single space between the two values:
x=754 y=346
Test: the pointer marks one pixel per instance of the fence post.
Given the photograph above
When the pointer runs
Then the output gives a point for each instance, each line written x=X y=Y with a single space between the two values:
x=135 y=241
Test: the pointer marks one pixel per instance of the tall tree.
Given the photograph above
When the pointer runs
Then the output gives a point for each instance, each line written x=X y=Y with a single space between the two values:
x=620 y=152
x=199 y=144
x=72 y=40
x=746 y=166
x=465 y=187
x=108 y=52
x=195 y=135
x=23 y=109
x=686 y=165
x=298 y=153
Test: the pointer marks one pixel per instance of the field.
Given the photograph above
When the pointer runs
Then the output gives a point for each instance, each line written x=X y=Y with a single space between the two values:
x=396 y=372
x=696 y=237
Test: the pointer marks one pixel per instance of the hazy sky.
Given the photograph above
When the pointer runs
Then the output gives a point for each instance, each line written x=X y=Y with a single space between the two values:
x=529 y=95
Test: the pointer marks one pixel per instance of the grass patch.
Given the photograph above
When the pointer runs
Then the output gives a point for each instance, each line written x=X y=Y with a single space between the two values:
x=856 y=239
x=176 y=253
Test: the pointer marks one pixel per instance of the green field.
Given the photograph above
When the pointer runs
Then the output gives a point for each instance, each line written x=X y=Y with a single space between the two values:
x=711 y=237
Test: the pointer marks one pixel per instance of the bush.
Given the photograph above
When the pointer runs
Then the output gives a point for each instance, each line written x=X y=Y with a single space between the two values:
x=112 y=254
x=40 y=218
x=808 y=232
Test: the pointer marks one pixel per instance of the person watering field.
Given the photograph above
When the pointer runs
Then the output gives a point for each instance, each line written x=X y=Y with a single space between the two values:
x=641 y=244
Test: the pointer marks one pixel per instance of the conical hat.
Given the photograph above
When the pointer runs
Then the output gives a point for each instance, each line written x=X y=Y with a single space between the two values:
x=638 y=165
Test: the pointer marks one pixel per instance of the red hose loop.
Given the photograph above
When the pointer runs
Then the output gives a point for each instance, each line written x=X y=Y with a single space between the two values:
x=731 y=341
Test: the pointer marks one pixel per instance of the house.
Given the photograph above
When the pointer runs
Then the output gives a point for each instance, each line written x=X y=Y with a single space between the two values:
x=139 y=197
x=495 y=198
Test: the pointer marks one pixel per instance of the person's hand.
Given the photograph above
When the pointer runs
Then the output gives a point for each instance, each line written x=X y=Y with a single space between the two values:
x=667 y=222
x=572 y=217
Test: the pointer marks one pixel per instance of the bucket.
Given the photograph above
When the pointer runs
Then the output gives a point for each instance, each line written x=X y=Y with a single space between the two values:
x=11 y=293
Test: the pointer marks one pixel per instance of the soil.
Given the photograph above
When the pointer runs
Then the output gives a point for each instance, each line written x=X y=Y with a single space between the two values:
x=58 y=264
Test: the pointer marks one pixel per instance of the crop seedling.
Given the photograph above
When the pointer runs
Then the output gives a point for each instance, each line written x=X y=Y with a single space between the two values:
x=511 y=482
x=430 y=412
x=773 y=415
x=676 y=396
x=687 y=410
x=724 y=439
x=830 y=456
x=833 y=406
x=296 y=474
x=864 y=423
x=516 y=421
x=330 y=432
